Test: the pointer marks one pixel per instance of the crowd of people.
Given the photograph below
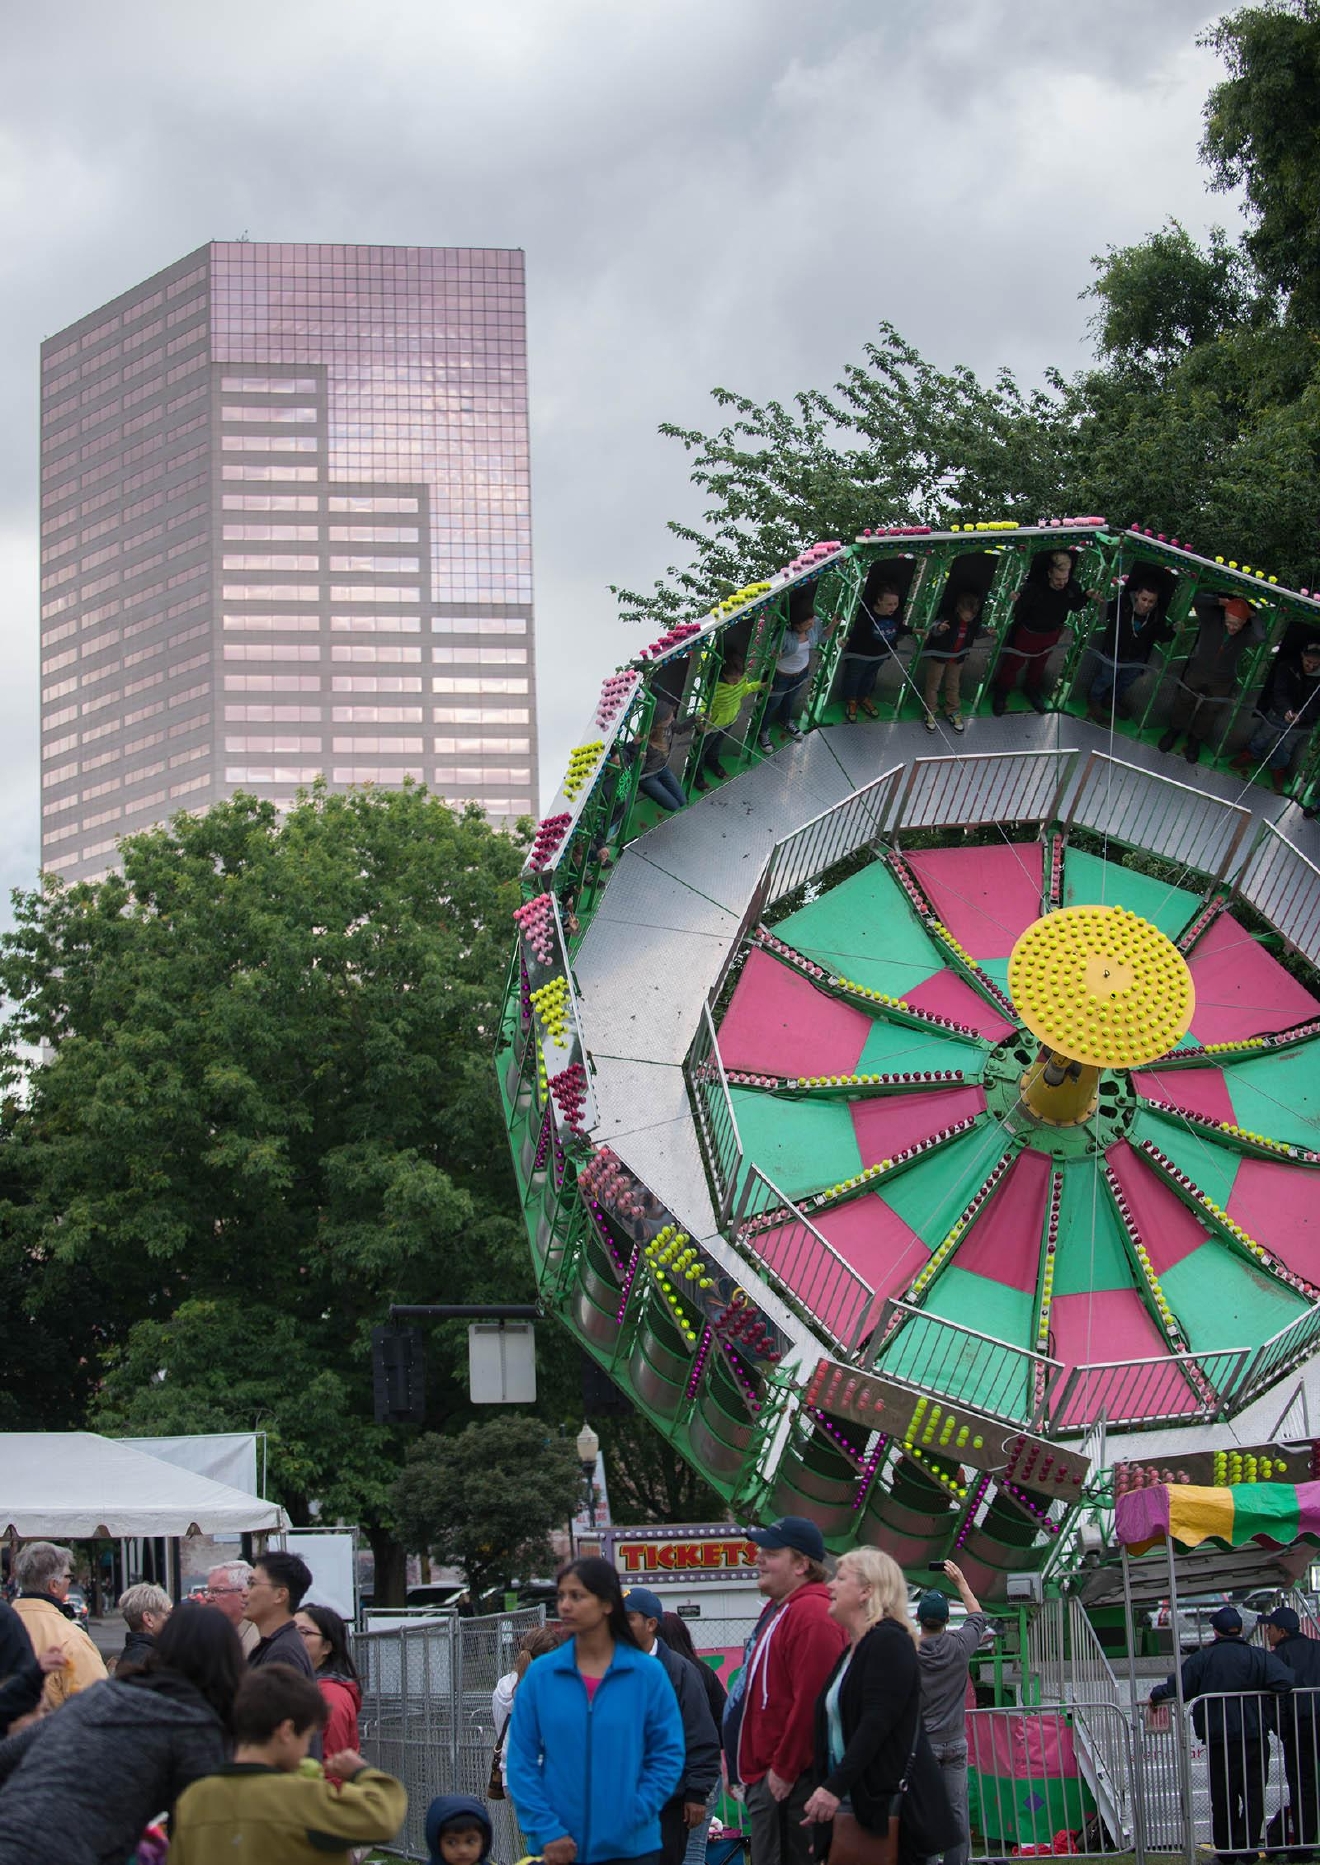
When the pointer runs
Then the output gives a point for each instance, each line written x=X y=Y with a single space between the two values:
x=1130 y=624
x=213 y=1709
x=843 y=1731
x=844 y=1718
x=1240 y=1693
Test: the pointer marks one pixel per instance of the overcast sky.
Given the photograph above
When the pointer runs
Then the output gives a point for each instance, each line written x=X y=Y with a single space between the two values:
x=726 y=192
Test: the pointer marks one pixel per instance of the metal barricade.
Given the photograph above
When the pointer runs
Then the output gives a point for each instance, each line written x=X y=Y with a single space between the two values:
x=427 y=1717
x=717 y=1124
x=931 y=1354
x=844 y=829
x=991 y=787
x=1144 y=809
x=1036 y=1772
x=1252 y=1768
x=1284 y=886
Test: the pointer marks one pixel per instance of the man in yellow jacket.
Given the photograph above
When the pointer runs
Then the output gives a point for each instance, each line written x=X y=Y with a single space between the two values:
x=262 y=1807
x=43 y=1571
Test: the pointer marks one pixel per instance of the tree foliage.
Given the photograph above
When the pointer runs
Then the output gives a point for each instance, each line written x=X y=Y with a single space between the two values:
x=267 y=1111
x=486 y=1500
x=1262 y=134
x=896 y=440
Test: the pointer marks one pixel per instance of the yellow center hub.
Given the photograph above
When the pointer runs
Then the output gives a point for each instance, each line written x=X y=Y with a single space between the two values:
x=1100 y=988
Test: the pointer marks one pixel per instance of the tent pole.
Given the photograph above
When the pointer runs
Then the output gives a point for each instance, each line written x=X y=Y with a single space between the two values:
x=1138 y=1732
x=1180 y=1733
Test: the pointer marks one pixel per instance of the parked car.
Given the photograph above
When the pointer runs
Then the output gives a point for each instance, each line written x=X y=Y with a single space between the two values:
x=1196 y=1610
x=78 y=1600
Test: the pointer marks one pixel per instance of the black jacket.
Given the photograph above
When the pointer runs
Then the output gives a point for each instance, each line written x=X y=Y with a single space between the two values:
x=1290 y=688
x=21 y=1678
x=879 y=1707
x=1040 y=613
x=1302 y=1657
x=701 y=1766
x=79 y=1785
x=1230 y=1665
x=1126 y=637
x=136 y=1647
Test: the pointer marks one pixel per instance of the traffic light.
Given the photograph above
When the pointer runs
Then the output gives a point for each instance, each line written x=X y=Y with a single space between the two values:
x=398 y=1376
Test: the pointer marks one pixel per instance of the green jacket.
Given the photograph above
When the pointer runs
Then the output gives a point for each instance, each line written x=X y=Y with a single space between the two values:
x=248 y=1811
x=727 y=701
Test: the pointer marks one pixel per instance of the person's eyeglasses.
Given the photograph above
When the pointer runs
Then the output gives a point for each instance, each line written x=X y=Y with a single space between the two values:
x=309 y=1631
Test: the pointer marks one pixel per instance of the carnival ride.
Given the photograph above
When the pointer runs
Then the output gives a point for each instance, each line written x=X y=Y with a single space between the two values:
x=894 y=1128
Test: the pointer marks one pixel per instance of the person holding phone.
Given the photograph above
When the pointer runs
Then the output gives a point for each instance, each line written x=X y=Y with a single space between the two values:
x=943 y=1659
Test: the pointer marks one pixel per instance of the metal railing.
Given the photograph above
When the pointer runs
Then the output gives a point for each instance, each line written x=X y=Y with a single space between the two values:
x=995 y=786
x=1034 y=1775
x=1277 y=1355
x=717 y=1124
x=426 y=1713
x=1284 y=886
x=925 y=1351
x=1182 y=1388
x=1144 y=809
x=804 y=1266
x=844 y=829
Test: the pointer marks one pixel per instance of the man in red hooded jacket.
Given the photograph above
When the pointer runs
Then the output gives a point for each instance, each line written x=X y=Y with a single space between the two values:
x=794 y=1653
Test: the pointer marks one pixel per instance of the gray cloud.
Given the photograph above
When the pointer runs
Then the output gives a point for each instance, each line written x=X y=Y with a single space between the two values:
x=732 y=194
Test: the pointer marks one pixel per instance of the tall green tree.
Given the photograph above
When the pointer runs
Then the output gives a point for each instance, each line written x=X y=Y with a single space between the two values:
x=1262 y=134
x=267 y=1111
x=486 y=1500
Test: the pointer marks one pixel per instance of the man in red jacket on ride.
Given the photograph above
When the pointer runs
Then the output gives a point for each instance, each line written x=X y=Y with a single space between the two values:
x=794 y=1653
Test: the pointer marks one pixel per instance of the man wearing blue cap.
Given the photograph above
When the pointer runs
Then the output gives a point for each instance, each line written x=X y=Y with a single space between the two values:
x=701 y=1766
x=1237 y=1678
x=1299 y=1731
x=794 y=1651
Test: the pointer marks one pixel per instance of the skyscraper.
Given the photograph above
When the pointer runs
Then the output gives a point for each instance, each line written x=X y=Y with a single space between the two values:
x=285 y=531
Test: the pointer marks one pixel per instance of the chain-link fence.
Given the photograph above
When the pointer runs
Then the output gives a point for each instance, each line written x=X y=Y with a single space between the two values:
x=427 y=1717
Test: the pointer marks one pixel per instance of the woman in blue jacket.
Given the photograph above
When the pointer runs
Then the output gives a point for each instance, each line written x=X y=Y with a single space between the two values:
x=595 y=1744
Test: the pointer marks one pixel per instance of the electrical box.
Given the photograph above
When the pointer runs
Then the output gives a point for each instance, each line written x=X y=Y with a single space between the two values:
x=1026 y=1589
x=398 y=1376
x=502 y=1363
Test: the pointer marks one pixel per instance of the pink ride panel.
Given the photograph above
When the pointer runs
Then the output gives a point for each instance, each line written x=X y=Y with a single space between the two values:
x=1005 y=1243
x=1099 y=1328
x=778 y=1023
x=1195 y=1090
x=986 y=896
x=1240 y=990
x=947 y=995
x=892 y=1121
x=876 y=1242
x=1164 y=1224
x=1279 y=1206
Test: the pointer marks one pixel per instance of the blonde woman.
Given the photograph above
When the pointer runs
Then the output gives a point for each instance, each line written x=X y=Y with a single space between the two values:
x=869 y=1715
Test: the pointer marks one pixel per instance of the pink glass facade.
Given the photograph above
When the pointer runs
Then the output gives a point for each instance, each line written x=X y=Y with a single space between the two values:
x=286 y=532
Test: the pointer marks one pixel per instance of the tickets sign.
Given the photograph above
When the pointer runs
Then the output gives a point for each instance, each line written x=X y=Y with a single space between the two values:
x=695 y=1554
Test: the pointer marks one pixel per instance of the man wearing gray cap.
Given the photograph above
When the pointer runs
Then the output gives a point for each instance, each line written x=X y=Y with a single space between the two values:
x=943 y=1658
x=1236 y=1677
x=1299 y=1730
x=701 y=1765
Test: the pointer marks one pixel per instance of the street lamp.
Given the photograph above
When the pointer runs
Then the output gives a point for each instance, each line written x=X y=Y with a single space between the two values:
x=588 y=1447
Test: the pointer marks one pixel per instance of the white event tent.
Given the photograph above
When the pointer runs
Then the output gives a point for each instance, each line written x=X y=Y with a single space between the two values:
x=74 y=1485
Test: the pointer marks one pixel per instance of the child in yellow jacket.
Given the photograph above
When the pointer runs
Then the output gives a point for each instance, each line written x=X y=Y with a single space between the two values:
x=731 y=689
x=262 y=1808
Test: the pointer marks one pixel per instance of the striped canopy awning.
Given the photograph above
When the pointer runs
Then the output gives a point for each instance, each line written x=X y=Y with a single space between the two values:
x=1189 y=1513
